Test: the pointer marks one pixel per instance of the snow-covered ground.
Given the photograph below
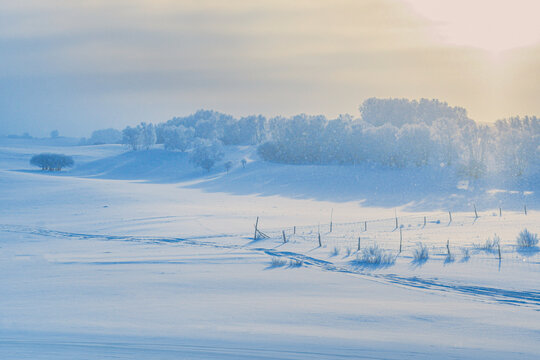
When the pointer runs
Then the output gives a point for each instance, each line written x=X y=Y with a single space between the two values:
x=142 y=256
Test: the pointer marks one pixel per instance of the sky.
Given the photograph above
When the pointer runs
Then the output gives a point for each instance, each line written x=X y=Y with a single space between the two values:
x=80 y=66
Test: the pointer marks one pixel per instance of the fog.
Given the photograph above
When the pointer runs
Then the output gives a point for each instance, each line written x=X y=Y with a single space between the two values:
x=79 y=67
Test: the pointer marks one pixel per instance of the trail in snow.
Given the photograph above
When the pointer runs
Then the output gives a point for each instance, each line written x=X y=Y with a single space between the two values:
x=528 y=298
x=512 y=297
x=135 y=349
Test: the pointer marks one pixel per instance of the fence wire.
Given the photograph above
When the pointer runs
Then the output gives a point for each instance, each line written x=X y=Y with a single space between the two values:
x=434 y=229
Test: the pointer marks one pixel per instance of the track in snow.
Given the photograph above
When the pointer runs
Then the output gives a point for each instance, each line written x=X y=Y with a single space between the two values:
x=529 y=298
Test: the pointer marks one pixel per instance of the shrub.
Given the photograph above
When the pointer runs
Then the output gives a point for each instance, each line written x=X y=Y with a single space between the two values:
x=335 y=252
x=228 y=165
x=374 y=255
x=421 y=253
x=52 y=162
x=278 y=262
x=526 y=239
x=296 y=263
x=206 y=153
x=490 y=245
x=466 y=254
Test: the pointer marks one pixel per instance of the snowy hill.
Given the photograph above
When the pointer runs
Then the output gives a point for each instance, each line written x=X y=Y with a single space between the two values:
x=414 y=189
x=140 y=255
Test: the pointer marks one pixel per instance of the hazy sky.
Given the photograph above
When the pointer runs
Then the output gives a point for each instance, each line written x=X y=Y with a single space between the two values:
x=77 y=66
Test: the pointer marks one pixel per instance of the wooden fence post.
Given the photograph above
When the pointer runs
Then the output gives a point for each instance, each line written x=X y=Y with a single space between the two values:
x=256 y=224
x=400 y=239
x=284 y=238
x=358 y=243
x=331 y=218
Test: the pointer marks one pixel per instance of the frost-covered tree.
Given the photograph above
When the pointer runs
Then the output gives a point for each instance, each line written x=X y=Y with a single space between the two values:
x=399 y=112
x=209 y=124
x=52 y=162
x=476 y=140
x=148 y=135
x=296 y=140
x=334 y=148
x=177 y=137
x=396 y=112
x=141 y=137
x=245 y=131
x=427 y=111
x=206 y=153
x=382 y=144
x=390 y=133
x=446 y=136
x=356 y=143
x=105 y=136
x=518 y=145
x=414 y=145
x=131 y=137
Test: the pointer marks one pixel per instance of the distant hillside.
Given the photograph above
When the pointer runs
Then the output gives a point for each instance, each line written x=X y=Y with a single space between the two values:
x=418 y=188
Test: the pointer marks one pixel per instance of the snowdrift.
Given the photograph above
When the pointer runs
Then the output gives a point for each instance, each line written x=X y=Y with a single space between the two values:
x=417 y=189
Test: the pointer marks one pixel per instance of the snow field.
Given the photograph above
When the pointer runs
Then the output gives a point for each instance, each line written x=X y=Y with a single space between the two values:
x=96 y=268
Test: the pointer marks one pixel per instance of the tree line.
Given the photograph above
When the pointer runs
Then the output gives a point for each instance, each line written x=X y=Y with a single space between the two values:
x=394 y=133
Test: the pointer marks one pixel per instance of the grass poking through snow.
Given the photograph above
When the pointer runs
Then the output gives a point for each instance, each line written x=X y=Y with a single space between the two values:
x=278 y=262
x=296 y=263
x=490 y=245
x=527 y=239
x=374 y=256
x=420 y=254
x=466 y=254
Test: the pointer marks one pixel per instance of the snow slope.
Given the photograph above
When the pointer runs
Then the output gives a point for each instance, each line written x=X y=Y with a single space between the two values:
x=415 y=189
x=98 y=264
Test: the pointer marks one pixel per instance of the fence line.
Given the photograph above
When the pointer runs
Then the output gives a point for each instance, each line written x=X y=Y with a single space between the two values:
x=383 y=230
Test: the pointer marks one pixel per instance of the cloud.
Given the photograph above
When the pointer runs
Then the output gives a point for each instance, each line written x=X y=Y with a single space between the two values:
x=82 y=65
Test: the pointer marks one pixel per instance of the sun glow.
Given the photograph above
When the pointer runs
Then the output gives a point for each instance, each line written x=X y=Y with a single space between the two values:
x=492 y=25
